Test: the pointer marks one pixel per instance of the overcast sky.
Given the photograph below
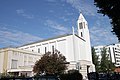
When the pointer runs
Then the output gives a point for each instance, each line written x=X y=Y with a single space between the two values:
x=25 y=21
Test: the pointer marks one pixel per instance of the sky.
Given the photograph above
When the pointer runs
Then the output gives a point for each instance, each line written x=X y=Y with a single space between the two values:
x=26 y=21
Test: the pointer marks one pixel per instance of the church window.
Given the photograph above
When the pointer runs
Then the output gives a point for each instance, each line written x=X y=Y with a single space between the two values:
x=45 y=49
x=38 y=50
x=81 y=34
x=80 y=26
x=53 y=49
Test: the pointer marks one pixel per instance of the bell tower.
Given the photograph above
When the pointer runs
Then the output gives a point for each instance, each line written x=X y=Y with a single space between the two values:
x=83 y=32
x=82 y=26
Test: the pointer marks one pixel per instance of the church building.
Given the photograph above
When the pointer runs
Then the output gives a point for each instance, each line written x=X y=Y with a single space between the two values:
x=75 y=47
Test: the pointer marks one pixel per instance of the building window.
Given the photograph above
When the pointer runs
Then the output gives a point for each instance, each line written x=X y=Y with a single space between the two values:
x=14 y=64
x=53 y=49
x=81 y=34
x=80 y=26
x=45 y=49
x=38 y=50
x=25 y=63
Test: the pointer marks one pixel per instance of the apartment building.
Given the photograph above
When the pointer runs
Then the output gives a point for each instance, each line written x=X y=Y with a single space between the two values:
x=113 y=51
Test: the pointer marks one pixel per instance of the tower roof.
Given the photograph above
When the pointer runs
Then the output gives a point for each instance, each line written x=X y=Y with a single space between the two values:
x=81 y=17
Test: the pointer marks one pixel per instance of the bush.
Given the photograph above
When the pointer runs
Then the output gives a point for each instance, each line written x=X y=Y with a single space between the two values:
x=71 y=75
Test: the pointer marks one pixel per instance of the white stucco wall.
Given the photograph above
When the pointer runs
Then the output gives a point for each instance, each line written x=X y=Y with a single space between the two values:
x=62 y=44
x=71 y=46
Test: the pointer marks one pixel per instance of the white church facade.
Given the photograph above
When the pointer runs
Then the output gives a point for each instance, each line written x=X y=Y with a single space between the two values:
x=75 y=47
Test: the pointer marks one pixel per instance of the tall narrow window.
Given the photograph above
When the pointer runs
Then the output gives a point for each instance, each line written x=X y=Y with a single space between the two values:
x=45 y=49
x=81 y=34
x=14 y=64
x=80 y=26
x=38 y=50
x=53 y=49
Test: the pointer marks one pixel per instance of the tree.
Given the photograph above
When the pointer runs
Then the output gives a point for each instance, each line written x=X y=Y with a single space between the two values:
x=50 y=63
x=95 y=61
x=105 y=64
x=111 y=8
x=104 y=60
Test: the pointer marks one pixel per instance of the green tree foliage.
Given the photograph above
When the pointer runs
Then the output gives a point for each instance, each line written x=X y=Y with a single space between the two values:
x=95 y=61
x=104 y=60
x=105 y=64
x=50 y=63
x=111 y=8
